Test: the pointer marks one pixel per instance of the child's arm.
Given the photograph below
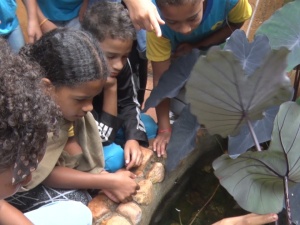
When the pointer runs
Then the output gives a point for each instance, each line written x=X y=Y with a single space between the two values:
x=33 y=28
x=129 y=112
x=9 y=215
x=120 y=184
x=45 y=24
x=83 y=9
x=144 y=15
x=215 y=38
x=162 y=112
x=110 y=97
x=249 y=219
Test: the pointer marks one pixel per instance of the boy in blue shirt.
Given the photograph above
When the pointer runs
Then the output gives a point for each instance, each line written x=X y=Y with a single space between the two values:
x=189 y=24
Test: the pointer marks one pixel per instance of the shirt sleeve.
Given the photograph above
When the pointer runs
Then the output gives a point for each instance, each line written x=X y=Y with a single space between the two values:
x=241 y=12
x=158 y=48
x=129 y=108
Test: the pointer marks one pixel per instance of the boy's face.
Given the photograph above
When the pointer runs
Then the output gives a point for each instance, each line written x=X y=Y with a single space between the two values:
x=75 y=102
x=116 y=52
x=6 y=187
x=183 y=18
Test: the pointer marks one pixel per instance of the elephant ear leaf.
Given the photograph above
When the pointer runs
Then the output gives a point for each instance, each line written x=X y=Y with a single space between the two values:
x=262 y=129
x=255 y=179
x=250 y=55
x=283 y=29
x=223 y=97
x=183 y=138
x=173 y=79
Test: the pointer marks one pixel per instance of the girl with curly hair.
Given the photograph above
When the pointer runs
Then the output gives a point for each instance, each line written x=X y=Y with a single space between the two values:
x=76 y=71
x=27 y=114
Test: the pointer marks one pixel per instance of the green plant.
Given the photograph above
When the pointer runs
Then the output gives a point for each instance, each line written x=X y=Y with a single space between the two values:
x=230 y=91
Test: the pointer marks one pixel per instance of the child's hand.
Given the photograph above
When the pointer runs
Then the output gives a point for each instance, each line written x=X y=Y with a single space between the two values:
x=133 y=154
x=122 y=187
x=110 y=84
x=160 y=143
x=182 y=49
x=144 y=15
x=249 y=219
x=34 y=31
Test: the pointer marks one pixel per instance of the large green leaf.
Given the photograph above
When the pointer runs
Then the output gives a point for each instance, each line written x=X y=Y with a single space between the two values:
x=223 y=96
x=255 y=179
x=283 y=29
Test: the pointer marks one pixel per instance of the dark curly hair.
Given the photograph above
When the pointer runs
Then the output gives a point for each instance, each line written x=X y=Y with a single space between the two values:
x=109 y=20
x=27 y=113
x=69 y=57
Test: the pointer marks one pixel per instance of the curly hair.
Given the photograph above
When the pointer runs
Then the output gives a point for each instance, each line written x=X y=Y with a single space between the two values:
x=27 y=113
x=69 y=57
x=109 y=20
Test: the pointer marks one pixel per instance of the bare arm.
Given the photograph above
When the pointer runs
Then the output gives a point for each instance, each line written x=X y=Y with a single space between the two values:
x=162 y=111
x=144 y=15
x=249 y=219
x=219 y=36
x=120 y=184
x=110 y=97
x=45 y=24
x=83 y=9
x=215 y=38
x=33 y=28
x=9 y=215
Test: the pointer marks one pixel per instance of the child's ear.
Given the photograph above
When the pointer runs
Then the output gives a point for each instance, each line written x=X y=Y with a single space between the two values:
x=47 y=85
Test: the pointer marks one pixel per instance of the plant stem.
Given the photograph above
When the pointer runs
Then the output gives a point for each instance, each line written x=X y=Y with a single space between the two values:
x=253 y=135
x=287 y=201
x=208 y=201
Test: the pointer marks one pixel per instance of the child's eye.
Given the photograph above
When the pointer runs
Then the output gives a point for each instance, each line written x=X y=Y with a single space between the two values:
x=110 y=56
x=80 y=100
x=193 y=18
x=171 y=22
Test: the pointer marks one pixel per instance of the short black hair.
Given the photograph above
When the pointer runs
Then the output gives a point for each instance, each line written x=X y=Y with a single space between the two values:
x=109 y=20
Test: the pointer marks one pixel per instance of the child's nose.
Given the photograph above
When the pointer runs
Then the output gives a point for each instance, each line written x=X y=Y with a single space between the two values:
x=88 y=106
x=118 y=64
x=185 y=29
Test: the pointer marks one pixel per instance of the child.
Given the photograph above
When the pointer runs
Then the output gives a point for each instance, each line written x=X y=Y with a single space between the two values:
x=75 y=72
x=26 y=115
x=118 y=105
x=189 y=24
x=39 y=117
x=9 y=23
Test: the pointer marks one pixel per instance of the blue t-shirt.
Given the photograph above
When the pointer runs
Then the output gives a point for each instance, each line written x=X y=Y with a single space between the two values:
x=60 y=10
x=215 y=13
x=8 y=17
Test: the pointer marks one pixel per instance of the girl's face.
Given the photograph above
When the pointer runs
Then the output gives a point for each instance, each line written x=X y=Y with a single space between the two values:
x=75 y=102
x=183 y=18
x=6 y=187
